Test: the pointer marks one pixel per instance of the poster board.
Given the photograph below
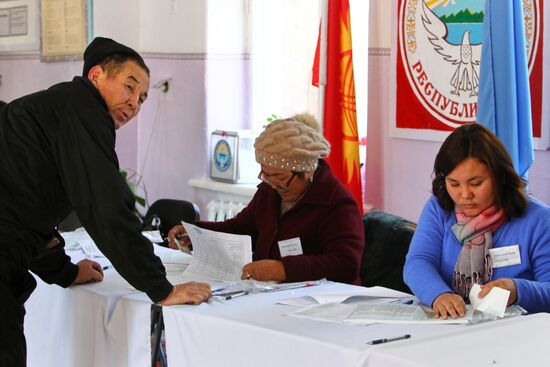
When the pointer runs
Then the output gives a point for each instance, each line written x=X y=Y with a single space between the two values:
x=64 y=25
x=427 y=100
x=19 y=25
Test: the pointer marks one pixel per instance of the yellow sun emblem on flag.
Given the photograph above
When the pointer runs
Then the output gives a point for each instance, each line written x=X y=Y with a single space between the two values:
x=347 y=101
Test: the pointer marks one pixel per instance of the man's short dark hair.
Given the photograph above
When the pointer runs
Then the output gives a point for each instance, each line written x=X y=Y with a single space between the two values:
x=113 y=63
x=476 y=141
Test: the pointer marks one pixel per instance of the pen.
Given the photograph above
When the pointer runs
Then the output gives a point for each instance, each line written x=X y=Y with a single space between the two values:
x=387 y=340
x=179 y=245
x=240 y=294
x=284 y=287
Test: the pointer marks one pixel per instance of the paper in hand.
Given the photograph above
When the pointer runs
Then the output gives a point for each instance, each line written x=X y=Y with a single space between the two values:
x=493 y=304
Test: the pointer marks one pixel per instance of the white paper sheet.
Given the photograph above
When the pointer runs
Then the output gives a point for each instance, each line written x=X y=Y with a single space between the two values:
x=395 y=313
x=153 y=236
x=493 y=304
x=171 y=256
x=90 y=249
x=73 y=238
x=333 y=312
x=319 y=299
x=217 y=256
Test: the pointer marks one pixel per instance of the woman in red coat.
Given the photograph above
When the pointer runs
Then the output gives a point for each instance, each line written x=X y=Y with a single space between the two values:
x=304 y=223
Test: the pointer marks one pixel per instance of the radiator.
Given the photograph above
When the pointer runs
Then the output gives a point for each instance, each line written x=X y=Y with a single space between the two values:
x=219 y=211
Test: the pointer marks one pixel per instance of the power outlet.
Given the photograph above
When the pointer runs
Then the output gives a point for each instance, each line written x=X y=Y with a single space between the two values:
x=164 y=86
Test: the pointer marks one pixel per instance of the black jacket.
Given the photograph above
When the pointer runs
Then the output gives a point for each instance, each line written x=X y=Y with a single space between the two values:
x=57 y=153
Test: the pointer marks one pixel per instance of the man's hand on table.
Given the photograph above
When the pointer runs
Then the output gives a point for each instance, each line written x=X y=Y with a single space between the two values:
x=188 y=293
x=88 y=271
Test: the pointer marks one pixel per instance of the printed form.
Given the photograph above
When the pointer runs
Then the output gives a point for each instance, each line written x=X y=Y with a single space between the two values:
x=217 y=256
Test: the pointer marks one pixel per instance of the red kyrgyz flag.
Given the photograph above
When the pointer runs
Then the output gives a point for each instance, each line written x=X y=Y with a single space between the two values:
x=340 y=118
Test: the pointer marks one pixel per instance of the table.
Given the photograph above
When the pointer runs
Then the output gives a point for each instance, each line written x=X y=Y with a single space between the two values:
x=101 y=324
x=107 y=324
x=254 y=331
x=520 y=341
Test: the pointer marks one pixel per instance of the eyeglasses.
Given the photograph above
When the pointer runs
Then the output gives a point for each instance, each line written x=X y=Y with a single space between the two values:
x=274 y=182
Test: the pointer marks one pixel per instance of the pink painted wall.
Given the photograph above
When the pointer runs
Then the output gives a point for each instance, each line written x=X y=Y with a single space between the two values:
x=168 y=142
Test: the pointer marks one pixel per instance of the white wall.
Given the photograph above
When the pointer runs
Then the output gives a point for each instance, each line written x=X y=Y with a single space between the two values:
x=119 y=20
x=173 y=26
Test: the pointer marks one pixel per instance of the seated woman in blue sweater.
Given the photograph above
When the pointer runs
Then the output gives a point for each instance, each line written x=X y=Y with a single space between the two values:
x=479 y=227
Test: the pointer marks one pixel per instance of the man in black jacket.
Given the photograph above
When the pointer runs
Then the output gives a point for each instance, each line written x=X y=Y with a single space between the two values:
x=57 y=154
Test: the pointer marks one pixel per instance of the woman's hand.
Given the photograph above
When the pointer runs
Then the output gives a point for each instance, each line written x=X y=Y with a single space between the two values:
x=88 y=271
x=449 y=304
x=264 y=270
x=178 y=239
x=190 y=293
x=505 y=283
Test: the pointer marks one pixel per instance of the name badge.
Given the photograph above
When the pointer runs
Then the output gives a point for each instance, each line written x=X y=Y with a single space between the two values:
x=505 y=256
x=291 y=247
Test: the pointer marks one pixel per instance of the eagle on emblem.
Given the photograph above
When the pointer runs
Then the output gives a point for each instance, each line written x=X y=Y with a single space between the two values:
x=466 y=56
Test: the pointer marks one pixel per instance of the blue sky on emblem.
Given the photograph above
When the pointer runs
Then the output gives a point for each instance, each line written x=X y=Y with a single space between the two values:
x=448 y=8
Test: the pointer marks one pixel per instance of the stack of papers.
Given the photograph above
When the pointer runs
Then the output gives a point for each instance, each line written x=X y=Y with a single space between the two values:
x=365 y=310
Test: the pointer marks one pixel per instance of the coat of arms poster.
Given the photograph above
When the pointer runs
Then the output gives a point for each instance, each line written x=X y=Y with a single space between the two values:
x=437 y=54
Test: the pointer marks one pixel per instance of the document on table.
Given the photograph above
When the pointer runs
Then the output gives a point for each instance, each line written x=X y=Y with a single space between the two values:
x=217 y=256
x=333 y=312
x=317 y=299
x=390 y=313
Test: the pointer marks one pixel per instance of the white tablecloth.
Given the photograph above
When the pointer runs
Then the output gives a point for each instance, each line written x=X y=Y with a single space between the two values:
x=520 y=341
x=107 y=324
x=253 y=330
x=101 y=324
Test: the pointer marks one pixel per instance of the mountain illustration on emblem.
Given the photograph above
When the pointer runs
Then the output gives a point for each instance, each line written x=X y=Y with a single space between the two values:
x=463 y=52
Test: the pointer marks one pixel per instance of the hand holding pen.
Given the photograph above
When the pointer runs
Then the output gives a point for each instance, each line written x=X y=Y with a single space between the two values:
x=179 y=239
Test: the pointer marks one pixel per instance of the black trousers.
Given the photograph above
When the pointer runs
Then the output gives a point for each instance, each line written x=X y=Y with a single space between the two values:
x=16 y=285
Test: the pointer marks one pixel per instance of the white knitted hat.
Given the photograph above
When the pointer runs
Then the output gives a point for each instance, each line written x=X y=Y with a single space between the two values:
x=294 y=143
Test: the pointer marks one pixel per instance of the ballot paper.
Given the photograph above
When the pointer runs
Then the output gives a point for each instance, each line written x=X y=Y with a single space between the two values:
x=493 y=304
x=217 y=256
x=398 y=311
x=395 y=313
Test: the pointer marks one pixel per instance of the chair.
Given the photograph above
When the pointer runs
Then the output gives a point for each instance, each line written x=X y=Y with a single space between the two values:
x=164 y=214
x=387 y=239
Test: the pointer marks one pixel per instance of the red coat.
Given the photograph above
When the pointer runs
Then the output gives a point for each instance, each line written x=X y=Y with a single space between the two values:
x=326 y=220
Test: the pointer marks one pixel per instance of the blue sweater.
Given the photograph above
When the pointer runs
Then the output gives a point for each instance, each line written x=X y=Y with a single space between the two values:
x=434 y=250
